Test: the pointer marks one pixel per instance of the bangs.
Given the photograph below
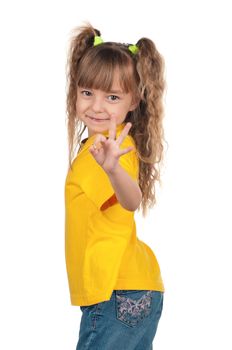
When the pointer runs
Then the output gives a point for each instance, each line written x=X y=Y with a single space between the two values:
x=98 y=67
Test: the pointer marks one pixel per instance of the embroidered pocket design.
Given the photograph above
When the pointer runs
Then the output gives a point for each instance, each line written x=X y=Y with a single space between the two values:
x=131 y=311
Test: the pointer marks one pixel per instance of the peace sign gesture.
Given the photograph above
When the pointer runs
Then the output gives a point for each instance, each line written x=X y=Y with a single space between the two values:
x=106 y=151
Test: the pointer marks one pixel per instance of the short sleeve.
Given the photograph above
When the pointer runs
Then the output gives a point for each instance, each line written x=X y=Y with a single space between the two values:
x=95 y=182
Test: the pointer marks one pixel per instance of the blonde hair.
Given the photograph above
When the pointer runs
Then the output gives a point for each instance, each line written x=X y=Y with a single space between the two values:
x=143 y=75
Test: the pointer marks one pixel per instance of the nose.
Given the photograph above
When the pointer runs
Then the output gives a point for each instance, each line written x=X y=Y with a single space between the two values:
x=97 y=105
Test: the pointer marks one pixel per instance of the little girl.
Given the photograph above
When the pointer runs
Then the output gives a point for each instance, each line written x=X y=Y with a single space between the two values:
x=114 y=90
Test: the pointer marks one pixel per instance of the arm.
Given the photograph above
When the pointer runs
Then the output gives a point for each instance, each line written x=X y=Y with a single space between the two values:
x=126 y=189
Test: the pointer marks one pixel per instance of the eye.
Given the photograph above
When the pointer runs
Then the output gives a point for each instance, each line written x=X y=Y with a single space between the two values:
x=85 y=92
x=114 y=99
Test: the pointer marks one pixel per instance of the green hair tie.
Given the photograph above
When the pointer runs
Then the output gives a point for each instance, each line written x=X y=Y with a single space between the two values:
x=133 y=48
x=97 y=40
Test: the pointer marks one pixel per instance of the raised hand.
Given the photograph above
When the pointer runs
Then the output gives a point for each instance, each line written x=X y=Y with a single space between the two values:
x=107 y=151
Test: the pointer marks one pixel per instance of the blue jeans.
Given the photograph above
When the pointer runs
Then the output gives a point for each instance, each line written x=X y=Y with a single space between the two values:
x=128 y=321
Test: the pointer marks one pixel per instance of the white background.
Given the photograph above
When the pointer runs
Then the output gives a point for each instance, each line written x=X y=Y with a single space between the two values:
x=190 y=227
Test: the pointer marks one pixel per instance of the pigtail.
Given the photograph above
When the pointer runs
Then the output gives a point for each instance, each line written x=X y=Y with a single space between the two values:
x=148 y=130
x=82 y=39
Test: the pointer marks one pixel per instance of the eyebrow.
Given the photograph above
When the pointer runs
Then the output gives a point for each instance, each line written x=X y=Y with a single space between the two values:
x=110 y=92
x=116 y=92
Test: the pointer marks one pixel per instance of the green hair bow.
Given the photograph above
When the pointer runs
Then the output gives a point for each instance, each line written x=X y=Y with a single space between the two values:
x=98 y=40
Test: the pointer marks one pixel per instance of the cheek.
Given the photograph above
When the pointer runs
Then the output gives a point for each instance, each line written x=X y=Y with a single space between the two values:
x=80 y=106
x=79 y=109
x=123 y=109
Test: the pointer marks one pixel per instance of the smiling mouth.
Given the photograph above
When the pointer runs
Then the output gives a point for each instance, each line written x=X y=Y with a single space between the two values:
x=96 y=119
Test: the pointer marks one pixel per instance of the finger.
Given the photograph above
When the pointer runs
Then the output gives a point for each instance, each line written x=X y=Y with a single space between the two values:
x=126 y=150
x=94 y=148
x=112 y=127
x=124 y=133
x=98 y=141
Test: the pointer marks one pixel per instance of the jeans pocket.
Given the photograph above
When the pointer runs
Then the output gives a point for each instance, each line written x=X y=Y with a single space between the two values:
x=132 y=308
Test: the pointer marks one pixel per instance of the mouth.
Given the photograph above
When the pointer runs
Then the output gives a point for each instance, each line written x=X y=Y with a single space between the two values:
x=97 y=120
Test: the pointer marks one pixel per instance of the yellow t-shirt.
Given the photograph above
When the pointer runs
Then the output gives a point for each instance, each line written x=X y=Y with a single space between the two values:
x=102 y=250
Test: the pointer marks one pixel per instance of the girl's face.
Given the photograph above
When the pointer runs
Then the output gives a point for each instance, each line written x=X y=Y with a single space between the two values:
x=94 y=107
